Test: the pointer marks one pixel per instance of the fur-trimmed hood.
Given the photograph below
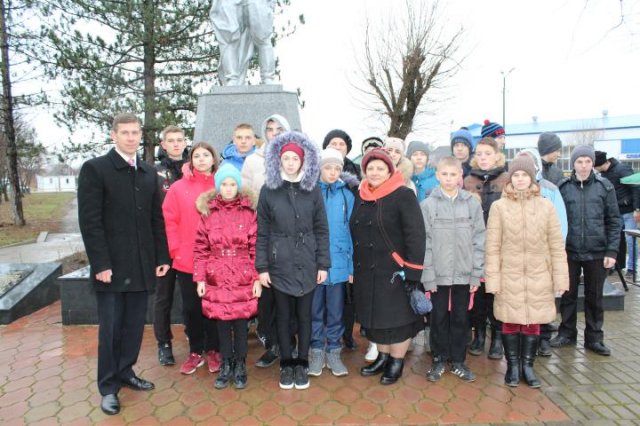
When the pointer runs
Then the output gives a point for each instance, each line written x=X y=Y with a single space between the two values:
x=207 y=200
x=349 y=180
x=310 y=166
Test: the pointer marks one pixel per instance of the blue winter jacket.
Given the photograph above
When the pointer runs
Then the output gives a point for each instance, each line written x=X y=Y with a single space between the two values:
x=231 y=155
x=338 y=202
x=424 y=183
x=552 y=193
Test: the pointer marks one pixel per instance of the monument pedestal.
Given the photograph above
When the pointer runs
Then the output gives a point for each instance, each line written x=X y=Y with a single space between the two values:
x=227 y=106
x=33 y=286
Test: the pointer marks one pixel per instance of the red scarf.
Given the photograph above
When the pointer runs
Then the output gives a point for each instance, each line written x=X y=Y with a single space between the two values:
x=387 y=187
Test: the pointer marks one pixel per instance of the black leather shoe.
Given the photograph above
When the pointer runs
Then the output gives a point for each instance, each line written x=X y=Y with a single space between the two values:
x=165 y=354
x=544 y=347
x=268 y=358
x=560 y=341
x=392 y=371
x=377 y=366
x=136 y=383
x=598 y=347
x=110 y=404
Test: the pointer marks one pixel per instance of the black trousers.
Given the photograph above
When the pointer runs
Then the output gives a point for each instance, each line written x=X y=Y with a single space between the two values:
x=483 y=309
x=267 y=317
x=202 y=332
x=162 y=303
x=450 y=329
x=594 y=275
x=289 y=308
x=121 y=318
x=233 y=338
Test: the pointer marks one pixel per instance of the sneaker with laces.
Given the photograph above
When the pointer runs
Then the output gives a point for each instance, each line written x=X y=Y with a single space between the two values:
x=286 y=377
x=214 y=360
x=316 y=362
x=192 y=363
x=372 y=352
x=335 y=364
x=462 y=371
x=301 y=374
x=436 y=371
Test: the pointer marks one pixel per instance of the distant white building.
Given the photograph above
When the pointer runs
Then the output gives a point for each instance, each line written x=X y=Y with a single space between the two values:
x=65 y=183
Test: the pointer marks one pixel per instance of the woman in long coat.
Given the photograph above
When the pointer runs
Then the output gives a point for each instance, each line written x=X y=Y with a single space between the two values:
x=386 y=219
x=525 y=266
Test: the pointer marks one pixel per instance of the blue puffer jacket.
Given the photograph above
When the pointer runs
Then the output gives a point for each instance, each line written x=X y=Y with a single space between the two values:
x=424 y=183
x=338 y=202
x=231 y=155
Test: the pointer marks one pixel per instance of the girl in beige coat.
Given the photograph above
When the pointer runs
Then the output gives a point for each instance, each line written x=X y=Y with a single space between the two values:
x=525 y=266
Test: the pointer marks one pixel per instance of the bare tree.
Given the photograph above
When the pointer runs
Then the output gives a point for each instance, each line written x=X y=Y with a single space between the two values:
x=407 y=60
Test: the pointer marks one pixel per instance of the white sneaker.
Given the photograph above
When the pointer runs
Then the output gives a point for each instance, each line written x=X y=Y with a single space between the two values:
x=372 y=352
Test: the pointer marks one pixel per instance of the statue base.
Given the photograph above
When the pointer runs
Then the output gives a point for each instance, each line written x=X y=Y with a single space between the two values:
x=227 y=106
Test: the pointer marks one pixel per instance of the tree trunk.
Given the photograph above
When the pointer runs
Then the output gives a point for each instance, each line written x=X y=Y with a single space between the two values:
x=9 y=128
x=150 y=108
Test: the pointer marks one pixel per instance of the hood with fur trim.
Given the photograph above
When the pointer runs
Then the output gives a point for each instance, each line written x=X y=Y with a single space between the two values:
x=310 y=166
x=206 y=200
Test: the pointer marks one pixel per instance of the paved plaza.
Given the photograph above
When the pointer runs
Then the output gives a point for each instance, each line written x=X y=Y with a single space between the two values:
x=47 y=376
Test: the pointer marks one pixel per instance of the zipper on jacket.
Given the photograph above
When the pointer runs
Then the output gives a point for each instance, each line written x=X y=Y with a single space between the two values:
x=524 y=252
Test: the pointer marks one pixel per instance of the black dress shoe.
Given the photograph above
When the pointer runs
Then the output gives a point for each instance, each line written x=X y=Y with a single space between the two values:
x=377 y=366
x=598 y=347
x=110 y=404
x=268 y=358
x=560 y=341
x=137 y=383
x=165 y=354
x=392 y=371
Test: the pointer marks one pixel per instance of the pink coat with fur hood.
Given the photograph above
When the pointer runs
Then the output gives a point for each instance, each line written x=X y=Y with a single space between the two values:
x=224 y=255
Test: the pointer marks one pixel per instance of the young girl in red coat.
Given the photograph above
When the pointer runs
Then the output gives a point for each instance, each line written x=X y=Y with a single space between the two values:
x=224 y=270
x=181 y=221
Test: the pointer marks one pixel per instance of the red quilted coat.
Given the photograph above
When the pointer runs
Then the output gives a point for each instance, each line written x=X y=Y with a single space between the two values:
x=224 y=255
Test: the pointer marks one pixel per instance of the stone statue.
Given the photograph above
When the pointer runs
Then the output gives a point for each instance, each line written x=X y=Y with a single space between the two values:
x=240 y=27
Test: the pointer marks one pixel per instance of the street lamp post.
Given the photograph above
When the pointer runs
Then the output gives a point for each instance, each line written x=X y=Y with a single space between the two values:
x=504 y=91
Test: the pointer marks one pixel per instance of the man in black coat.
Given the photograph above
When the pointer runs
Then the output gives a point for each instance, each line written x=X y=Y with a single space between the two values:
x=123 y=232
x=592 y=245
x=550 y=149
x=628 y=197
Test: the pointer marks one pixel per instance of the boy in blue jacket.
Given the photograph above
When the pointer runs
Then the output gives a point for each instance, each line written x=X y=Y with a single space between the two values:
x=328 y=300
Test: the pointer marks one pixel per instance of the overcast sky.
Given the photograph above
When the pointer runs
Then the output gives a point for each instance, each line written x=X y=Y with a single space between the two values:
x=569 y=62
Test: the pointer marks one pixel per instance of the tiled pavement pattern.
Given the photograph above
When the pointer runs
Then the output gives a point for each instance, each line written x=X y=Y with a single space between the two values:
x=47 y=376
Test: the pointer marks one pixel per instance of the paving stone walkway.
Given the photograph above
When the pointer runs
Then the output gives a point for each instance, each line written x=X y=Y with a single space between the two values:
x=47 y=376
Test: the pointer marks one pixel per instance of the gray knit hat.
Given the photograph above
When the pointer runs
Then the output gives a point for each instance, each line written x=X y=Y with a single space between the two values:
x=417 y=146
x=582 y=151
x=548 y=142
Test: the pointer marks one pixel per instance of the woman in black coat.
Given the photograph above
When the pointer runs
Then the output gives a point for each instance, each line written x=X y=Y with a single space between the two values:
x=292 y=248
x=386 y=218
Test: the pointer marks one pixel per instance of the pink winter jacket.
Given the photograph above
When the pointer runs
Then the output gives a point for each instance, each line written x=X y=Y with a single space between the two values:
x=224 y=256
x=181 y=217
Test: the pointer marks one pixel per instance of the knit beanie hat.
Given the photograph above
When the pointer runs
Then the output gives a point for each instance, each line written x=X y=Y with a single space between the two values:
x=582 y=151
x=225 y=171
x=331 y=156
x=462 y=136
x=337 y=133
x=416 y=146
x=371 y=142
x=491 y=129
x=395 y=143
x=525 y=163
x=293 y=147
x=601 y=158
x=377 y=154
x=548 y=142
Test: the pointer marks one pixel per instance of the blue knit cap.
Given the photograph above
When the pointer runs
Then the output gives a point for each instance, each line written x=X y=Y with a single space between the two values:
x=225 y=171
x=462 y=136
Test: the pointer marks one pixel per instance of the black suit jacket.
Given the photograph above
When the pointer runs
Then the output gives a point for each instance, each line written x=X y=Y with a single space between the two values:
x=120 y=215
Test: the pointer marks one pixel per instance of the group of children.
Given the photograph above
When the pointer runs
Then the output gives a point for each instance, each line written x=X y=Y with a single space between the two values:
x=294 y=239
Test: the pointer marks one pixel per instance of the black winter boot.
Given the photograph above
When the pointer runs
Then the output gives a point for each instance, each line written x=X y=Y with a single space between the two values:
x=511 y=343
x=392 y=371
x=377 y=366
x=528 y=349
x=495 y=350
x=240 y=373
x=269 y=357
x=224 y=376
x=477 y=344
